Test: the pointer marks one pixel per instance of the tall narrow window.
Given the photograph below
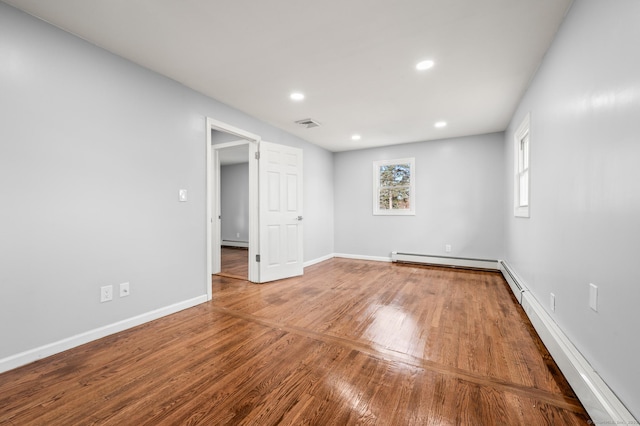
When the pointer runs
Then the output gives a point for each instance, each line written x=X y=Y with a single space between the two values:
x=522 y=140
x=394 y=187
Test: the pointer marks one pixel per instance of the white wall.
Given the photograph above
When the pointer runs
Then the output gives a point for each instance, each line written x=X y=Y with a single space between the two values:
x=459 y=200
x=318 y=202
x=585 y=192
x=234 y=202
x=93 y=151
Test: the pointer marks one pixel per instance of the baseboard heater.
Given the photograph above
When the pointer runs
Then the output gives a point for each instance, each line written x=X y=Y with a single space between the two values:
x=516 y=286
x=450 y=261
x=233 y=243
x=596 y=396
x=598 y=399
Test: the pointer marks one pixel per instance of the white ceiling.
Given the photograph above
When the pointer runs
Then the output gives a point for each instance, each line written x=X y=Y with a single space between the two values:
x=353 y=59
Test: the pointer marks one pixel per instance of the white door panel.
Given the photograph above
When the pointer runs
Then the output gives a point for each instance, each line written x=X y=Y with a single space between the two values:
x=280 y=169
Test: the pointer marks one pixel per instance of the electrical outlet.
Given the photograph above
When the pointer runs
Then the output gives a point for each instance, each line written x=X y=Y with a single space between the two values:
x=106 y=293
x=237 y=235
x=447 y=248
x=182 y=195
x=552 y=302
x=124 y=289
x=593 y=297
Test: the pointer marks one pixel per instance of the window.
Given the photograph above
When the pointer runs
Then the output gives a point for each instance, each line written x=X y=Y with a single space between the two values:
x=394 y=187
x=522 y=140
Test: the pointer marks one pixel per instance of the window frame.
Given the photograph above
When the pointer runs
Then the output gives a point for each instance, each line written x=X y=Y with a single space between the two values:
x=522 y=168
x=411 y=211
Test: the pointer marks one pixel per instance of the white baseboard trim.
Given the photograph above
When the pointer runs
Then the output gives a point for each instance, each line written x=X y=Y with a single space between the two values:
x=26 y=357
x=460 y=262
x=598 y=399
x=230 y=243
x=318 y=260
x=362 y=257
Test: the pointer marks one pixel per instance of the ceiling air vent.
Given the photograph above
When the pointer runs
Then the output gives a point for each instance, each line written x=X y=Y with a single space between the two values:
x=308 y=123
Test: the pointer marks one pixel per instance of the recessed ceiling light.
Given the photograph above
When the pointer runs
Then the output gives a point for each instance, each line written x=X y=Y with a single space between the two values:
x=440 y=124
x=356 y=137
x=425 y=65
x=297 y=96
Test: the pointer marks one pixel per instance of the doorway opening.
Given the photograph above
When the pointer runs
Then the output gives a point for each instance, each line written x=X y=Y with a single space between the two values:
x=234 y=210
x=275 y=230
x=224 y=141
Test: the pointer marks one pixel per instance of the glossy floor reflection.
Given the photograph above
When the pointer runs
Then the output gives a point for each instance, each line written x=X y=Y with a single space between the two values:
x=234 y=262
x=350 y=342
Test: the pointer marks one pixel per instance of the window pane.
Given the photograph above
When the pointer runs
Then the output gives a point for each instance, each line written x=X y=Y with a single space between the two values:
x=394 y=198
x=525 y=152
x=395 y=174
x=524 y=189
x=400 y=198
x=393 y=187
x=520 y=158
x=383 y=199
x=522 y=145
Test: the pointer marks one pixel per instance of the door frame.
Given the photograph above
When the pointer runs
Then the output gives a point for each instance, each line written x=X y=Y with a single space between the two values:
x=213 y=199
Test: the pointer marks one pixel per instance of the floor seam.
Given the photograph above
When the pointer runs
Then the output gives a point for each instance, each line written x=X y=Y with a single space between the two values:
x=393 y=356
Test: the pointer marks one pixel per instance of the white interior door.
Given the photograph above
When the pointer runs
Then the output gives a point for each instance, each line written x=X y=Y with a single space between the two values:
x=280 y=194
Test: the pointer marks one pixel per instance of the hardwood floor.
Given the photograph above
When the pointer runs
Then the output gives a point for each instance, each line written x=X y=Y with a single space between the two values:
x=350 y=342
x=234 y=262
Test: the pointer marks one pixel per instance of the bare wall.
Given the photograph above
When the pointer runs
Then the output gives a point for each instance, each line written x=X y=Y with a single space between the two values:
x=93 y=151
x=234 y=202
x=459 y=200
x=585 y=196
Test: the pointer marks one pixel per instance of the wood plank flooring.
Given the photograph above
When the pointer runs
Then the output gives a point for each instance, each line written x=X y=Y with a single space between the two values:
x=350 y=342
x=234 y=262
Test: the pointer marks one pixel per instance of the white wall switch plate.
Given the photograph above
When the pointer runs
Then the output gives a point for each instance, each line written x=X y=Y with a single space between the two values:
x=593 y=297
x=182 y=195
x=106 y=293
x=124 y=289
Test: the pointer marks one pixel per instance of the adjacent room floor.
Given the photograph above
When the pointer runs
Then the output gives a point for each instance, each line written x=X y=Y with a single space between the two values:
x=350 y=342
x=234 y=262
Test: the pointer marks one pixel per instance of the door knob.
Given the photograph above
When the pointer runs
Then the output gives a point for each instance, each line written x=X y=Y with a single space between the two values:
x=299 y=218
